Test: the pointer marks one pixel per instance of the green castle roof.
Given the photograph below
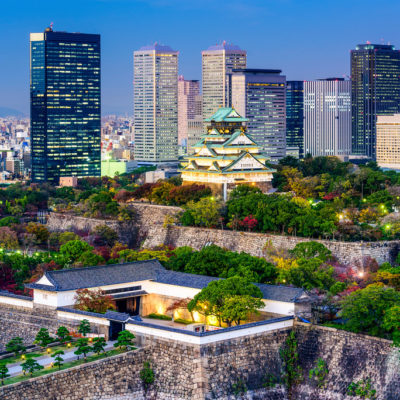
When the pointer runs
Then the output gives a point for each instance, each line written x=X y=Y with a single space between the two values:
x=226 y=114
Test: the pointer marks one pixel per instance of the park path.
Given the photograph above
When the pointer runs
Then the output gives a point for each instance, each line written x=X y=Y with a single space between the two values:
x=47 y=359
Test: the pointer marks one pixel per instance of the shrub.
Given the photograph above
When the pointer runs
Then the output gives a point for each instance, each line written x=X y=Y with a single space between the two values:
x=159 y=316
x=147 y=376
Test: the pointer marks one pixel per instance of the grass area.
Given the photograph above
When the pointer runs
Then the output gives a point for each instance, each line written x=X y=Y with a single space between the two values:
x=70 y=364
x=183 y=321
x=337 y=326
x=159 y=316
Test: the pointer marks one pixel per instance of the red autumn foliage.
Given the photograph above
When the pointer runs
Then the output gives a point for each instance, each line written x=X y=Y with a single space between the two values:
x=331 y=196
x=116 y=249
x=7 y=281
x=123 y=196
x=40 y=270
x=249 y=223
x=94 y=301
x=103 y=251
x=183 y=194
x=144 y=191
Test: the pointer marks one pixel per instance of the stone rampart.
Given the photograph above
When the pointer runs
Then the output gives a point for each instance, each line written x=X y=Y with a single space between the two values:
x=254 y=243
x=187 y=371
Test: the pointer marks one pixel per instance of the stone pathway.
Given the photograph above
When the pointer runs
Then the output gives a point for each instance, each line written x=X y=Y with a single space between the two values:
x=46 y=360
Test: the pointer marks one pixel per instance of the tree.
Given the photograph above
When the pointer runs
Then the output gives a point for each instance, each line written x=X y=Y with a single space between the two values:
x=99 y=344
x=205 y=212
x=83 y=347
x=58 y=360
x=238 y=308
x=106 y=236
x=93 y=300
x=16 y=346
x=89 y=258
x=43 y=338
x=214 y=299
x=74 y=249
x=391 y=323
x=147 y=376
x=66 y=237
x=365 y=309
x=30 y=366
x=8 y=238
x=3 y=373
x=84 y=327
x=311 y=250
x=40 y=232
x=63 y=335
x=125 y=340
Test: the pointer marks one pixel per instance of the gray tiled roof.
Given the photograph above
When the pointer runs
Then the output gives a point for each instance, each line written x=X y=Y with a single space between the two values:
x=79 y=278
x=104 y=275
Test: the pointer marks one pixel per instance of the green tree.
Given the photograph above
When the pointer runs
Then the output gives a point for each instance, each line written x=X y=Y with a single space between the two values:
x=205 y=212
x=16 y=346
x=58 y=360
x=99 y=345
x=40 y=232
x=74 y=249
x=125 y=340
x=82 y=347
x=147 y=376
x=3 y=373
x=212 y=299
x=43 y=338
x=30 y=366
x=391 y=323
x=63 y=335
x=364 y=310
x=239 y=308
x=66 y=237
x=84 y=327
x=311 y=250
x=88 y=259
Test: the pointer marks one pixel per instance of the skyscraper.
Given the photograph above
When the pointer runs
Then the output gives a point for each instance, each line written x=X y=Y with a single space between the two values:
x=294 y=116
x=388 y=141
x=65 y=105
x=217 y=63
x=327 y=117
x=188 y=110
x=259 y=96
x=156 y=103
x=375 y=90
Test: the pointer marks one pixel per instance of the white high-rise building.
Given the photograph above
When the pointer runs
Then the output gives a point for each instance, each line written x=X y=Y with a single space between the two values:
x=327 y=117
x=156 y=104
x=260 y=96
x=388 y=141
x=217 y=64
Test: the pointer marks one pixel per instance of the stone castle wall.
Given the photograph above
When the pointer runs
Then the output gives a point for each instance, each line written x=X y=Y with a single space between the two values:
x=148 y=230
x=184 y=371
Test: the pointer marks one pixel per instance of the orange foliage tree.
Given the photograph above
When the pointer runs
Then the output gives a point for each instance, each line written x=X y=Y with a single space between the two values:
x=94 y=301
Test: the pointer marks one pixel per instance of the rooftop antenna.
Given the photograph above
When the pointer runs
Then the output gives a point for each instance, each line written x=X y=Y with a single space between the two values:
x=51 y=25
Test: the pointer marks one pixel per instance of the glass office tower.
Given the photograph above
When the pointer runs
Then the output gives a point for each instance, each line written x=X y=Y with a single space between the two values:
x=259 y=95
x=375 y=90
x=295 y=115
x=65 y=105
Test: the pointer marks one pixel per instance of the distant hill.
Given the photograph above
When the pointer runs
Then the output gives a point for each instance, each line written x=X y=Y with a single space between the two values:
x=10 y=112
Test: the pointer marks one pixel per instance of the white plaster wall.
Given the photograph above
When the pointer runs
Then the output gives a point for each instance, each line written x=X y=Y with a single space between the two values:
x=66 y=298
x=16 y=302
x=80 y=317
x=161 y=333
x=278 y=307
x=44 y=297
x=44 y=281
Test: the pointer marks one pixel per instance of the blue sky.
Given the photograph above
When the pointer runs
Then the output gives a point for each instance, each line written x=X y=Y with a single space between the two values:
x=307 y=39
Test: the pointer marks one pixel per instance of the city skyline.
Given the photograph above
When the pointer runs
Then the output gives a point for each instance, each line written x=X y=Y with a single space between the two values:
x=310 y=56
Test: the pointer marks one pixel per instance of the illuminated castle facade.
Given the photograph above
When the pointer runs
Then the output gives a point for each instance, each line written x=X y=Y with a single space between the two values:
x=227 y=156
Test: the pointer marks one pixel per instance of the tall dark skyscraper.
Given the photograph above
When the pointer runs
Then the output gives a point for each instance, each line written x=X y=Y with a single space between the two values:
x=295 y=115
x=375 y=90
x=65 y=105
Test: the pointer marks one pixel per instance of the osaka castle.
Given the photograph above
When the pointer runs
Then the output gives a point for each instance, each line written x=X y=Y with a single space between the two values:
x=227 y=156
